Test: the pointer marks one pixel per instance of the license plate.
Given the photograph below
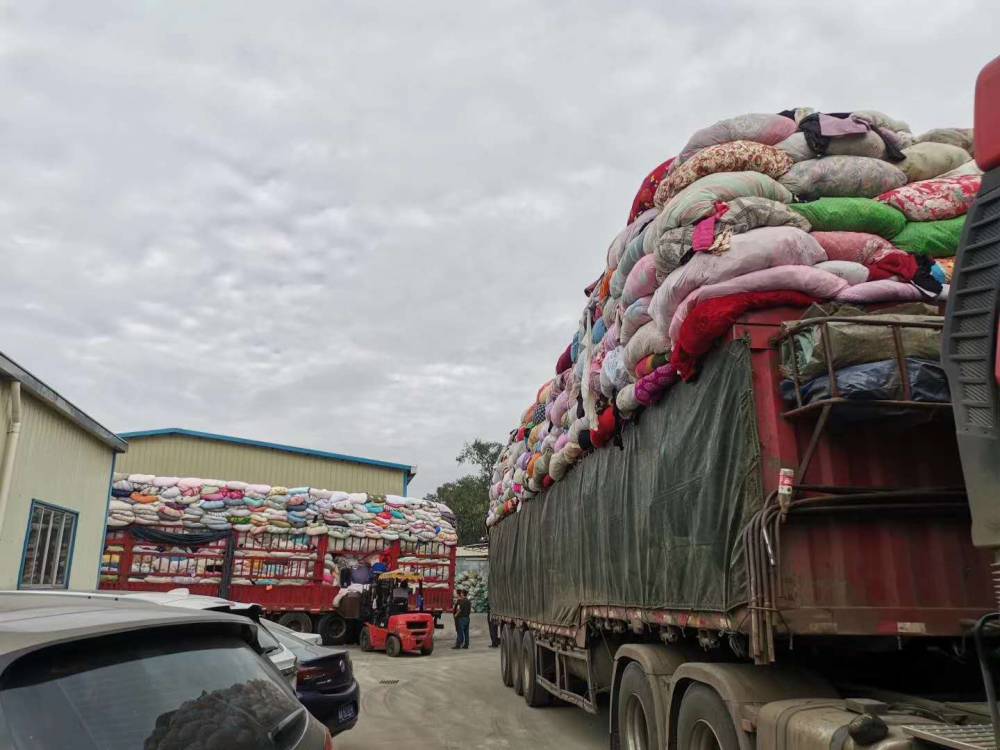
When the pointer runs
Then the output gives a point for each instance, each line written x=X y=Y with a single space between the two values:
x=345 y=713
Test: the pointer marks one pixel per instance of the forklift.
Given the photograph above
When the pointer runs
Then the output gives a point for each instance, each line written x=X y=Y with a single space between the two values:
x=389 y=624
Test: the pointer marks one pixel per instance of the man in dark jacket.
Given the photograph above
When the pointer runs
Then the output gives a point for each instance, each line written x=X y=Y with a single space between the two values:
x=462 y=611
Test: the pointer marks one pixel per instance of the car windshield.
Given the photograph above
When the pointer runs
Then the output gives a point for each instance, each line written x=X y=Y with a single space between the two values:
x=303 y=650
x=150 y=690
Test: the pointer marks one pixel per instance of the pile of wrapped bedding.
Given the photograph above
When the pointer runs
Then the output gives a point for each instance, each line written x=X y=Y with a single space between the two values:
x=297 y=514
x=755 y=211
x=476 y=586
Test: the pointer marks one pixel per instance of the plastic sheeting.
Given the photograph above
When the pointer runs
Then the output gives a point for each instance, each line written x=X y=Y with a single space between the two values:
x=654 y=525
x=877 y=381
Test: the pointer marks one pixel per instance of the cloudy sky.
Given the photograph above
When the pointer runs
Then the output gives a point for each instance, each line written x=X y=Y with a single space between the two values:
x=366 y=226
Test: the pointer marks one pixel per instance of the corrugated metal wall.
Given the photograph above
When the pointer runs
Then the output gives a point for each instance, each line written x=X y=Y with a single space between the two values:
x=181 y=455
x=60 y=464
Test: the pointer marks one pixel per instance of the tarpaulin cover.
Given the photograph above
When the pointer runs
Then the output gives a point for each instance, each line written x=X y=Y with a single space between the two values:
x=656 y=524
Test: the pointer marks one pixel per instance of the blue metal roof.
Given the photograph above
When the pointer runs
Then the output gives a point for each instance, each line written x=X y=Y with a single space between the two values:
x=410 y=470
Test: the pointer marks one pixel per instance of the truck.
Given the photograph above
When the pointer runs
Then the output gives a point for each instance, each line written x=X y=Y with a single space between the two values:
x=744 y=572
x=284 y=574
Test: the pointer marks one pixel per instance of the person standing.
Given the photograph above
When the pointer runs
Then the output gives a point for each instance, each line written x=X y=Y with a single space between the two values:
x=462 y=612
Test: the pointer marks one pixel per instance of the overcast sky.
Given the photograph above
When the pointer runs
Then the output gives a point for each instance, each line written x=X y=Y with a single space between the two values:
x=365 y=227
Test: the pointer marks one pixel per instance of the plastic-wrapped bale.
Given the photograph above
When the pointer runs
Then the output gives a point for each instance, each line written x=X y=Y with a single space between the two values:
x=933 y=238
x=751 y=251
x=477 y=588
x=758 y=127
x=936 y=199
x=737 y=156
x=841 y=176
x=698 y=199
x=852 y=215
x=961 y=137
x=928 y=159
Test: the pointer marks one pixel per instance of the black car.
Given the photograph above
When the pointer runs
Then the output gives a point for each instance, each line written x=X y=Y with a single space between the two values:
x=325 y=683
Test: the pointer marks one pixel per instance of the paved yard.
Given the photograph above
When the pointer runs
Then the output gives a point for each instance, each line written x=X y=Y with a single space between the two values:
x=454 y=700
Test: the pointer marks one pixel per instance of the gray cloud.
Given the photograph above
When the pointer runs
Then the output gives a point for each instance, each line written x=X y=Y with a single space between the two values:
x=365 y=227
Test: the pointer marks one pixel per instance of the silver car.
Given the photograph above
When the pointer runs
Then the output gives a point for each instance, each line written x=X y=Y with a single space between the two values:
x=98 y=673
x=277 y=652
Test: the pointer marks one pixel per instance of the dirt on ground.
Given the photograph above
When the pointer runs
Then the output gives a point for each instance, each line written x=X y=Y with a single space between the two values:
x=454 y=700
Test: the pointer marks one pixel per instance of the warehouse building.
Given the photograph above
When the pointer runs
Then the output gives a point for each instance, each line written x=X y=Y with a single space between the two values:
x=178 y=452
x=55 y=469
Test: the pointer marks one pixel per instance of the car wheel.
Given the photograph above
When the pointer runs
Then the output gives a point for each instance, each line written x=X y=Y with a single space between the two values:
x=514 y=657
x=333 y=628
x=393 y=646
x=534 y=694
x=365 y=640
x=300 y=622
x=505 y=673
x=704 y=723
x=427 y=650
x=637 y=712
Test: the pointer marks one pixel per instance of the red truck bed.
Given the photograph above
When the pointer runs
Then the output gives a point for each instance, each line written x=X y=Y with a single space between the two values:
x=873 y=540
x=281 y=573
x=878 y=542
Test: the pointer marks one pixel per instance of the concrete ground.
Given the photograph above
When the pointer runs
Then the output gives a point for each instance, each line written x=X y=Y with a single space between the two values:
x=454 y=700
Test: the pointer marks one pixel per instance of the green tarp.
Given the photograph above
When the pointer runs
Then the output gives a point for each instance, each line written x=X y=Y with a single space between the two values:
x=655 y=525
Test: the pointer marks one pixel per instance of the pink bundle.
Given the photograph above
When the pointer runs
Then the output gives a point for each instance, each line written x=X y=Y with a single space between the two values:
x=650 y=388
x=857 y=247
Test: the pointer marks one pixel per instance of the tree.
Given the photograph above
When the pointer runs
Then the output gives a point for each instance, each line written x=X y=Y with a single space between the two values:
x=481 y=453
x=469 y=497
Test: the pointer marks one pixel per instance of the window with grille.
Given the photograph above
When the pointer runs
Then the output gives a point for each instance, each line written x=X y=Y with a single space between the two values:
x=48 y=547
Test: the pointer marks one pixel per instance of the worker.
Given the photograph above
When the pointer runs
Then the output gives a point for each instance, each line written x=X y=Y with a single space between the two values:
x=462 y=611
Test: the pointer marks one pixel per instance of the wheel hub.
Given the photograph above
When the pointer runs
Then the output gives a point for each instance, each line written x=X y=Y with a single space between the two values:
x=634 y=734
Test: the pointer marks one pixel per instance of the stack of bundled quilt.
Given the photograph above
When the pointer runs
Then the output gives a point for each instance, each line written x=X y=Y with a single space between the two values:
x=756 y=211
x=298 y=513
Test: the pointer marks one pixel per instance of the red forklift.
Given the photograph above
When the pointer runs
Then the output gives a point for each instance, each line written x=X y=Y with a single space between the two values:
x=389 y=625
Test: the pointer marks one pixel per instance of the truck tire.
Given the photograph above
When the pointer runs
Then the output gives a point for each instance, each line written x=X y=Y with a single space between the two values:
x=333 y=629
x=365 y=640
x=534 y=694
x=704 y=723
x=637 y=727
x=505 y=672
x=393 y=646
x=300 y=622
x=427 y=650
x=514 y=659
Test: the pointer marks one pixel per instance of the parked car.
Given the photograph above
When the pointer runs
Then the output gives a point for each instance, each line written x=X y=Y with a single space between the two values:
x=97 y=673
x=326 y=684
x=280 y=656
x=314 y=638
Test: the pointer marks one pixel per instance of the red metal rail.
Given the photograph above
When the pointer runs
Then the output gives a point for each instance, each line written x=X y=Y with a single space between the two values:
x=281 y=573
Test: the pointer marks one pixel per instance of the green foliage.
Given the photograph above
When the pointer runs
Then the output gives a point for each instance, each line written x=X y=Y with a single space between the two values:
x=468 y=497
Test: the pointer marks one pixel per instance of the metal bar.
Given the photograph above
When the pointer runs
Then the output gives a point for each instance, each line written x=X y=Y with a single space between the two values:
x=879 y=495
x=904 y=378
x=55 y=560
x=847 y=489
x=807 y=457
x=828 y=353
x=48 y=537
x=36 y=526
x=796 y=378
x=926 y=405
x=793 y=328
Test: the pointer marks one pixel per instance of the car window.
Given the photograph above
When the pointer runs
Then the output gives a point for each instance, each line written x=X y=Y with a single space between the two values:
x=151 y=690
